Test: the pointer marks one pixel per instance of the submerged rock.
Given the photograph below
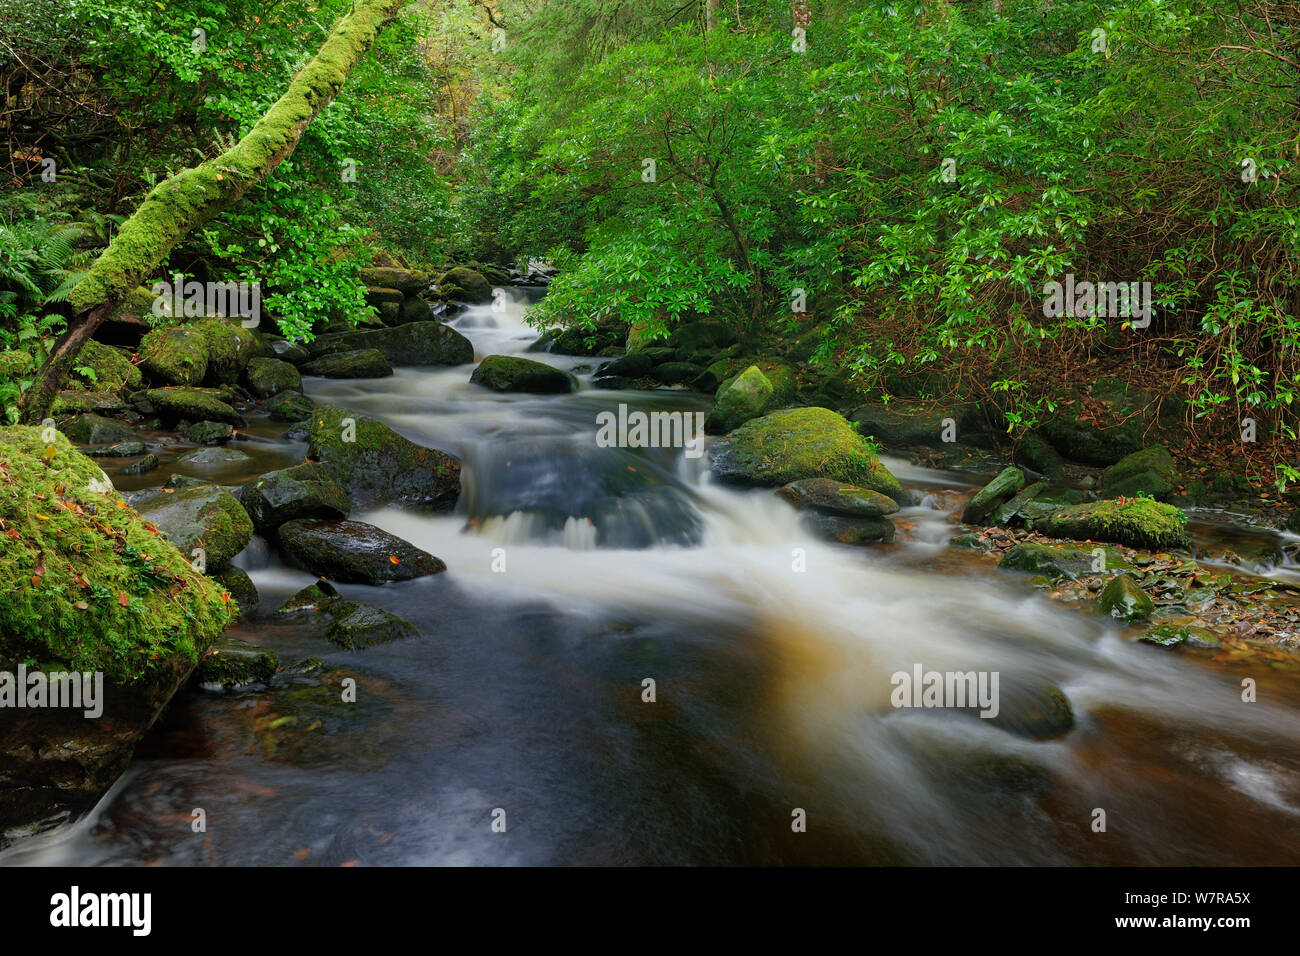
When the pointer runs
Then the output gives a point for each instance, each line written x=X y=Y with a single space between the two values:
x=510 y=373
x=797 y=443
x=354 y=626
x=233 y=663
x=354 y=551
x=215 y=456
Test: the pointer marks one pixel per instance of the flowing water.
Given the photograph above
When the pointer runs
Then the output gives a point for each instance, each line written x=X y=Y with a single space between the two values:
x=578 y=572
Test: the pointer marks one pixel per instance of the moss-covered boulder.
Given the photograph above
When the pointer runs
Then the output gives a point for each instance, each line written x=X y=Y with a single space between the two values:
x=353 y=551
x=230 y=347
x=1089 y=443
x=631 y=365
x=191 y=404
x=378 y=466
x=835 y=497
x=404 y=281
x=97 y=430
x=193 y=513
x=354 y=625
x=1018 y=506
x=676 y=373
x=1138 y=523
x=240 y=586
x=1055 y=561
x=233 y=664
x=1123 y=599
x=290 y=407
x=464 y=285
x=267 y=376
x=908 y=422
x=796 y=443
x=88 y=587
x=1003 y=486
x=1149 y=471
x=413 y=343
x=848 y=530
x=104 y=368
x=314 y=597
x=359 y=363
x=1037 y=454
x=206 y=433
x=174 y=356
x=746 y=396
x=510 y=373
x=303 y=491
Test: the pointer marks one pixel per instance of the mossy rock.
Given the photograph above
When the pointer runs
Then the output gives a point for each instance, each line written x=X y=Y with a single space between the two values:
x=314 y=597
x=1011 y=510
x=174 y=356
x=240 y=587
x=141 y=465
x=707 y=335
x=1171 y=635
x=848 y=530
x=353 y=551
x=214 y=457
x=267 y=376
x=198 y=514
x=88 y=587
x=748 y=395
x=110 y=368
x=122 y=449
x=230 y=347
x=835 y=497
x=1033 y=710
x=676 y=373
x=909 y=422
x=354 y=626
x=379 y=466
x=642 y=335
x=97 y=430
x=403 y=281
x=290 y=407
x=465 y=285
x=414 y=343
x=510 y=373
x=232 y=664
x=1149 y=471
x=1056 y=561
x=1004 y=486
x=358 y=363
x=1091 y=444
x=721 y=370
x=1141 y=523
x=207 y=433
x=1036 y=453
x=377 y=296
x=307 y=490
x=796 y=443
x=412 y=311
x=190 y=404
x=1124 y=600
x=632 y=365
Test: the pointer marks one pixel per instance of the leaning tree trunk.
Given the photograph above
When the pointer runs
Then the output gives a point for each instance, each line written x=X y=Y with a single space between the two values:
x=711 y=14
x=193 y=196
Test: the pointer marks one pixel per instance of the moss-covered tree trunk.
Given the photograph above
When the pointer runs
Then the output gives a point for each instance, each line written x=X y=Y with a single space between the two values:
x=193 y=196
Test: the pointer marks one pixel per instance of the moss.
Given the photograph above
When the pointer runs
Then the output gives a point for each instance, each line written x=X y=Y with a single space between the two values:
x=89 y=585
x=192 y=404
x=796 y=443
x=175 y=356
x=110 y=368
x=229 y=348
x=464 y=285
x=1149 y=471
x=198 y=514
x=1138 y=523
x=1124 y=600
x=13 y=364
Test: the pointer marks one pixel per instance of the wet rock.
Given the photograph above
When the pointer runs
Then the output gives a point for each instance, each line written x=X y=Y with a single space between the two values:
x=704 y=335
x=290 y=407
x=266 y=377
x=1145 y=524
x=240 y=587
x=1032 y=710
x=232 y=664
x=307 y=490
x=1003 y=486
x=413 y=310
x=1008 y=512
x=379 y=466
x=1036 y=453
x=1169 y=635
x=141 y=465
x=509 y=373
x=358 y=363
x=971 y=540
x=746 y=396
x=413 y=343
x=206 y=433
x=613 y=383
x=1124 y=600
x=905 y=422
x=1053 y=561
x=632 y=365
x=230 y=348
x=353 y=551
x=1149 y=471
x=354 y=626
x=836 y=497
x=380 y=295
x=404 y=281
x=191 y=404
x=314 y=597
x=214 y=457
x=122 y=449
x=848 y=530
x=293 y=352
x=796 y=443
x=464 y=285
x=676 y=373
x=97 y=430
x=197 y=514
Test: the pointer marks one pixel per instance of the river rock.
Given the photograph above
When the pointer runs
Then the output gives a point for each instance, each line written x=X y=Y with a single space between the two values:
x=197 y=514
x=215 y=457
x=1123 y=599
x=379 y=466
x=354 y=626
x=142 y=619
x=414 y=343
x=797 y=443
x=290 y=407
x=267 y=376
x=314 y=597
x=240 y=587
x=174 y=356
x=848 y=530
x=307 y=490
x=405 y=281
x=110 y=369
x=141 y=465
x=206 y=433
x=836 y=497
x=1149 y=471
x=1003 y=486
x=632 y=365
x=122 y=449
x=1089 y=443
x=747 y=396
x=354 y=551
x=191 y=404
x=97 y=430
x=1036 y=453
x=377 y=296
x=1009 y=511
x=1054 y=561
x=510 y=373
x=357 y=363
x=464 y=285
x=1146 y=524
x=232 y=664
x=676 y=373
